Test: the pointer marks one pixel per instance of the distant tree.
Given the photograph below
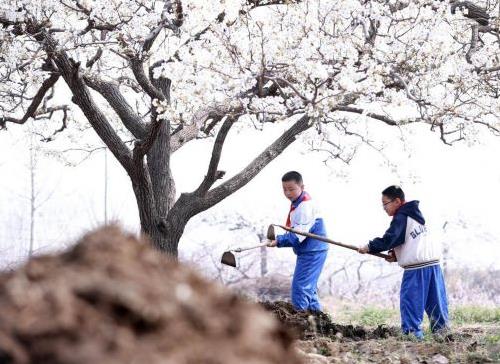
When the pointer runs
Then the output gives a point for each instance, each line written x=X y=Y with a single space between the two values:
x=37 y=195
x=33 y=197
x=23 y=220
x=150 y=76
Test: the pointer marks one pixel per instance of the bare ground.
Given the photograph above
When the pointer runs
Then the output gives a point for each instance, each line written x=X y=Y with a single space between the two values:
x=319 y=340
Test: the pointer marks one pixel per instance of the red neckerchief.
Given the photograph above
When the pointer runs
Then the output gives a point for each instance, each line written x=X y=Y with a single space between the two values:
x=304 y=196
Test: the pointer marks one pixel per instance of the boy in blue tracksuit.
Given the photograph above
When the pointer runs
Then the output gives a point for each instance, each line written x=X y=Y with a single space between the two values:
x=311 y=253
x=422 y=288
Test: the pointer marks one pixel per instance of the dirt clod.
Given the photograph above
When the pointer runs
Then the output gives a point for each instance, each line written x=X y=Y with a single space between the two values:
x=113 y=299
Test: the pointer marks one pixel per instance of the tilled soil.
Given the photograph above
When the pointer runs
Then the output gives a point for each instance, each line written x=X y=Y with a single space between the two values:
x=312 y=324
x=321 y=341
x=113 y=299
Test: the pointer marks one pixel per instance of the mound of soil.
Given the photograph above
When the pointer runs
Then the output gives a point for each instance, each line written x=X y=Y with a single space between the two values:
x=113 y=299
x=313 y=324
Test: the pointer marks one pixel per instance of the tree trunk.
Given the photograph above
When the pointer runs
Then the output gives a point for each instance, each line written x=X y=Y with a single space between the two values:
x=164 y=233
x=165 y=241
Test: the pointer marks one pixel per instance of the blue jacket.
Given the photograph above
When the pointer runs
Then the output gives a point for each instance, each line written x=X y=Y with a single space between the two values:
x=396 y=233
x=304 y=217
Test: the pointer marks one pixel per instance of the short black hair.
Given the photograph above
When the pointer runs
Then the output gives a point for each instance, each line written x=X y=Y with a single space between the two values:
x=292 y=176
x=394 y=192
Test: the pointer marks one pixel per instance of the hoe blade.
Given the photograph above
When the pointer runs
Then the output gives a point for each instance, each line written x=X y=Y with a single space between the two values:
x=228 y=259
x=270 y=233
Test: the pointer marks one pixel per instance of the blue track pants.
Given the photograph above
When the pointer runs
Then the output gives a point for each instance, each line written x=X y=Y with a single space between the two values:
x=422 y=290
x=305 y=280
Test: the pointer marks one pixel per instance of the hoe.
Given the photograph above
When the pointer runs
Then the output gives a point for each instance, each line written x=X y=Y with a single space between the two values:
x=228 y=257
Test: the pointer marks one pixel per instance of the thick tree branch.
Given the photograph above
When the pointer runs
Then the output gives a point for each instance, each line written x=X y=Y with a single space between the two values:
x=95 y=58
x=356 y=110
x=143 y=146
x=111 y=92
x=488 y=70
x=473 y=11
x=138 y=69
x=473 y=43
x=6 y=22
x=161 y=83
x=191 y=131
x=37 y=100
x=258 y=3
x=212 y=173
x=218 y=193
x=69 y=70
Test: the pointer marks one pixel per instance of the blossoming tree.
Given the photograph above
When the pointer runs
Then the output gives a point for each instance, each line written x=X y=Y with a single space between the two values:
x=150 y=76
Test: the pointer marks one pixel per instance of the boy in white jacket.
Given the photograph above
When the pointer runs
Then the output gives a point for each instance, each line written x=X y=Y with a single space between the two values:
x=311 y=253
x=422 y=288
